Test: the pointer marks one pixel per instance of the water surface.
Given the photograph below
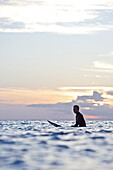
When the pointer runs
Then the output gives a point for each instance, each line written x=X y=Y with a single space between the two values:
x=37 y=145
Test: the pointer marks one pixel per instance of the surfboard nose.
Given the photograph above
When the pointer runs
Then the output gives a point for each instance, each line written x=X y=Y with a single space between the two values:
x=54 y=124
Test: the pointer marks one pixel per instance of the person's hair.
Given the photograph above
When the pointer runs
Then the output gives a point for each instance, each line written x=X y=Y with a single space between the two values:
x=76 y=106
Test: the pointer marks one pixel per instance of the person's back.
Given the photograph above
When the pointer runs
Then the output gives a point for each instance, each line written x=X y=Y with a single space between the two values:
x=80 y=120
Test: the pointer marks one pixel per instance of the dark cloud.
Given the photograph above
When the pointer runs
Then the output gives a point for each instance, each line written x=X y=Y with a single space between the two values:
x=90 y=101
x=94 y=108
x=103 y=112
x=57 y=111
x=110 y=93
x=50 y=105
x=55 y=108
x=96 y=96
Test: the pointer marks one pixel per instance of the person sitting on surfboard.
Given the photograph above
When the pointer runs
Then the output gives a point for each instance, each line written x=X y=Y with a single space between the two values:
x=79 y=117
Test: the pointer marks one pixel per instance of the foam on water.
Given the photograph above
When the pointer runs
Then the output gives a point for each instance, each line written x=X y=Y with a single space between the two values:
x=30 y=145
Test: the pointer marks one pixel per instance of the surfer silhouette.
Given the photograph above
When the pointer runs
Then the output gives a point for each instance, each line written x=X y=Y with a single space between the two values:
x=80 y=122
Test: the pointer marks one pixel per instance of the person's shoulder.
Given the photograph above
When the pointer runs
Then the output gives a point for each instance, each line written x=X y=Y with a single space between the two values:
x=80 y=114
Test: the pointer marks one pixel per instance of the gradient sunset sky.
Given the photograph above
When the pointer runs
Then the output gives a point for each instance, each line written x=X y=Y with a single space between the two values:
x=54 y=54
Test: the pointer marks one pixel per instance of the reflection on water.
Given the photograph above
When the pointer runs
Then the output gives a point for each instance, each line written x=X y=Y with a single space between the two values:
x=38 y=145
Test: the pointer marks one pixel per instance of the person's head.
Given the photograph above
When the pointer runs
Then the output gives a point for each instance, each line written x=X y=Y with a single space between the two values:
x=76 y=109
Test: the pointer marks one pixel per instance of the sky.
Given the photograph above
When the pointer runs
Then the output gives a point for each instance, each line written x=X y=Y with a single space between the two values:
x=54 y=54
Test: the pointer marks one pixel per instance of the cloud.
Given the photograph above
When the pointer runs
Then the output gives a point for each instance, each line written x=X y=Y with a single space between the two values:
x=91 y=105
x=96 y=96
x=97 y=76
x=84 y=101
x=6 y=23
x=110 y=54
x=59 y=110
x=56 y=16
x=93 y=102
x=100 y=67
x=110 y=93
x=103 y=65
x=86 y=88
x=96 y=105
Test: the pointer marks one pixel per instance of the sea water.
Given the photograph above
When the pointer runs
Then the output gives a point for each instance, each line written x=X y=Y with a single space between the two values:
x=37 y=145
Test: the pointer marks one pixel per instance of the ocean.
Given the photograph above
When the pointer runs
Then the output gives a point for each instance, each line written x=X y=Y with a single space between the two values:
x=37 y=145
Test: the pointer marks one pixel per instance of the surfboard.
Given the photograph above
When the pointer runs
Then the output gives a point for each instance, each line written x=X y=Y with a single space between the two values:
x=54 y=124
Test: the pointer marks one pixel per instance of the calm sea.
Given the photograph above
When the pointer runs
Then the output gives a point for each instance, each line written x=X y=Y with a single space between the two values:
x=37 y=145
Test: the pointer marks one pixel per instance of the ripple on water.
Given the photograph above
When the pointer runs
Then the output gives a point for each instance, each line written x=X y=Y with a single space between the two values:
x=62 y=146
x=3 y=141
x=97 y=137
x=18 y=162
x=105 y=131
x=55 y=138
x=89 y=150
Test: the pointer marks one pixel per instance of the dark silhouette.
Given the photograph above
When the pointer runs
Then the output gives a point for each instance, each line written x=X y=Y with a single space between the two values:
x=79 y=117
x=54 y=124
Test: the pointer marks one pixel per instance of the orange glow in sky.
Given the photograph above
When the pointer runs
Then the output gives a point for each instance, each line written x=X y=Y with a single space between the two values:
x=91 y=117
x=27 y=96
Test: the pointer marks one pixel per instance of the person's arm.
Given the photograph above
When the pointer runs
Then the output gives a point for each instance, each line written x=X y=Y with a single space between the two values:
x=76 y=124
